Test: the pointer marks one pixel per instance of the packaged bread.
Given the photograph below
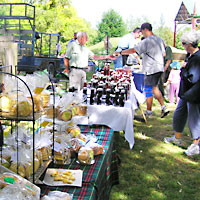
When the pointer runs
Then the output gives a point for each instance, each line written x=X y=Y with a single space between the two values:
x=97 y=148
x=49 y=112
x=46 y=98
x=8 y=178
x=46 y=152
x=5 y=103
x=74 y=109
x=38 y=102
x=7 y=152
x=38 y=155
x=85 y=155
x=76 y=144
x=82 y=109
x=23 y=108
x=65 y=115
x=4 y=162
x=61 y=154
x=21 y=169
x=29 y=167
x=73 y=130
x=81 y=137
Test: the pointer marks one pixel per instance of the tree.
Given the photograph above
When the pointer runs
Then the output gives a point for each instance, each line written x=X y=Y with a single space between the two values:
x=111 y=25
x=179 y=33
x=164 y=32
x=58 y=16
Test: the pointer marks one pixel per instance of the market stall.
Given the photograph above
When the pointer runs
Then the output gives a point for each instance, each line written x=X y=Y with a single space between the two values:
x=99 y=177
x=66 y=143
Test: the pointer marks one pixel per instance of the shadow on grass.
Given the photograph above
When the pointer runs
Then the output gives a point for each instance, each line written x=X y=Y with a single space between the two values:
x=154 y=170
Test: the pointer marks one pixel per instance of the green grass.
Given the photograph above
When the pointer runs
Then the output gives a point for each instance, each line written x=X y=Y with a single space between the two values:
x=153 y=170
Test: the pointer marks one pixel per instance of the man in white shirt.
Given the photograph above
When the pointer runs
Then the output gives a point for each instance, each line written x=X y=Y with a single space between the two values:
x=128 y=41
x=76 y=60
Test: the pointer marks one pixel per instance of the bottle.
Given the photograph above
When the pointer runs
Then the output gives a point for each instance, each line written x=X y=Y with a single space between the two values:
x=122 y=98
x=92 y=96
x=85 y=95
x=105 y=69
x=99 y=95
x=112 y=98
x=108 y=102
x=108 y=69
x=116 y=102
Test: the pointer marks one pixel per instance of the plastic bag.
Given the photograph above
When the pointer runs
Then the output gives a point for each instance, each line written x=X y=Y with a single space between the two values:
x=37 y=82
x=22 y=107
x=57 y=195
x=86 y=155
x=62 y=154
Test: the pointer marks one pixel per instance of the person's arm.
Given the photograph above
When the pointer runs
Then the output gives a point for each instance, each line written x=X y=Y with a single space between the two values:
x=166 y=83
x=167 y=64
x=66 y=63
x=138 y=58
x=128 y=51
x=101 y=57
x=125 y=52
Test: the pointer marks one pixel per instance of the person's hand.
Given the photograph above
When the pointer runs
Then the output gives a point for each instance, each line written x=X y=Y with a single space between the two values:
x=115 y=54
x=165 y=84
x=112 y=57
x=66 y=70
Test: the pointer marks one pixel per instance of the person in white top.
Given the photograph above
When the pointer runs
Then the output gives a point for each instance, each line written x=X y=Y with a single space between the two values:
x=76 y=60
x=128 y=41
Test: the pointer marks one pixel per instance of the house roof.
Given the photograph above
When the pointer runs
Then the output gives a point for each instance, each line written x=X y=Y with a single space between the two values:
x=185 y=12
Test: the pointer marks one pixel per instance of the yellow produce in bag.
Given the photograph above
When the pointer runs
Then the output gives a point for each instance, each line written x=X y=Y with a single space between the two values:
x=5 y=103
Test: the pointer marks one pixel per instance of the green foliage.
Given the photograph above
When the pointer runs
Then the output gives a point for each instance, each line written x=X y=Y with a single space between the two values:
x=164 y=32
x=112 y=25
x=60 y=17
x=179 y=33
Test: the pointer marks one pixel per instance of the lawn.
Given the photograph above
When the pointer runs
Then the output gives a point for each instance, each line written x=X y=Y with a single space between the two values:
x=153 y=170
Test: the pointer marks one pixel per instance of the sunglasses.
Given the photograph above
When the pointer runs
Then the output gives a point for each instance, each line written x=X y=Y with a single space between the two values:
x=183 y=43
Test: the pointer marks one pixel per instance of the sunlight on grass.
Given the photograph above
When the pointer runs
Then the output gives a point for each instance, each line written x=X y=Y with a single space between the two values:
x=157 y=195
x=120 y=196
x=141 y=136
x=154 y=170
x=150 y=177
x=171 y=150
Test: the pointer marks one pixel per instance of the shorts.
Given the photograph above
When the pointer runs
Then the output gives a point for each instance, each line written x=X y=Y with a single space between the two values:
x=152 y=79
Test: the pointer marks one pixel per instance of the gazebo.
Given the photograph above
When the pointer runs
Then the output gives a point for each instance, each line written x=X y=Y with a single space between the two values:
x=188 y=13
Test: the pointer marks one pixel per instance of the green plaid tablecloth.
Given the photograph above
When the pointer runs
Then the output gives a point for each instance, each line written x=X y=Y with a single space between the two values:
x=98 y=178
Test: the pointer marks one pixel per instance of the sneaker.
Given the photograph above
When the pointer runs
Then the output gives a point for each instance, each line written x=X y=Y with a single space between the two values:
x=148 y=114
x=193 y=149
x=172 y=140
x=164 y=112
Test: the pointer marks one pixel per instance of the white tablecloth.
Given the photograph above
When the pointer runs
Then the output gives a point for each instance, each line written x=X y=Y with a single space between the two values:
x=117 y=118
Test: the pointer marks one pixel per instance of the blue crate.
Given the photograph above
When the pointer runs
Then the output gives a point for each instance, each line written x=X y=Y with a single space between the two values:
x=139 y=81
